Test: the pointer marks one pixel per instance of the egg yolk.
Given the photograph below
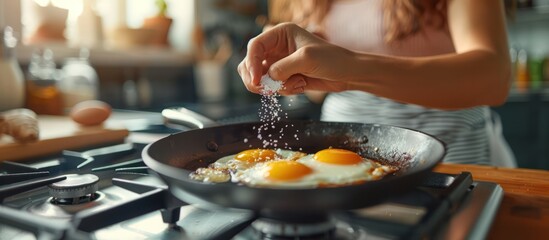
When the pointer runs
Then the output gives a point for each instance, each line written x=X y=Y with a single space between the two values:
x=337 y=156
x=256 y=155
x=286 y=171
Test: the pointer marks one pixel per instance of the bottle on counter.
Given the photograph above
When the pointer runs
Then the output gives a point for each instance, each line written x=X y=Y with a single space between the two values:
x=522 y=78
x=545 y=71
x=535 y=70
x=12 y=87
x=513 y=54
x=79 y=81
x=43 y=95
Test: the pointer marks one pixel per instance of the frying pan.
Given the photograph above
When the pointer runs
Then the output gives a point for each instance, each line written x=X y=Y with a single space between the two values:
x=174 y=157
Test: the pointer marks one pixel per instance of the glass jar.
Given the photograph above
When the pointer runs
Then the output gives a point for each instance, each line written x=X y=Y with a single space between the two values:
x=42 y=92
x=79 y=81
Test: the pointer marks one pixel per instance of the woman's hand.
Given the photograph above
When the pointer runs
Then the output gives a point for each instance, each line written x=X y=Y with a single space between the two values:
x=302 y=60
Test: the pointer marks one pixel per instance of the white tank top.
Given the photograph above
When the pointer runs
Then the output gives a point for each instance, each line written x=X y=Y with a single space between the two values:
x=358 y=25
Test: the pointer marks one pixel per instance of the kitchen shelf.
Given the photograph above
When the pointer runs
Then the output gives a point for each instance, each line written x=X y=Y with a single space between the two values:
x=140 y=57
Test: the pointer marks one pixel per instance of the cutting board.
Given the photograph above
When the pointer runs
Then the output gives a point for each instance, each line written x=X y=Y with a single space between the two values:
x=58 y=133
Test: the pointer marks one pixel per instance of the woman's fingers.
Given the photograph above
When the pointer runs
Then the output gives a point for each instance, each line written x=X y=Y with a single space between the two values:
x=273 y=41
x=254 y=60
x=295 y=63
x=298 y=84
x=294 y=85
x=290 y=54
x=247 y=78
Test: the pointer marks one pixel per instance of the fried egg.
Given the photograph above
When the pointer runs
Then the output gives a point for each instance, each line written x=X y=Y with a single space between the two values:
x=246 y=159
x=249 y=158
x=221 y=170
x=291 y=169
x=277 y=173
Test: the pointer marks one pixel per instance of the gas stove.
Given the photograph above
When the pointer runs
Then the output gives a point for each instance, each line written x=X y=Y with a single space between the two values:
x=108 y=193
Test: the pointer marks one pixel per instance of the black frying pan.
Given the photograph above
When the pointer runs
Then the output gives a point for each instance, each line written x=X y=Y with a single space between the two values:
x=177 y=155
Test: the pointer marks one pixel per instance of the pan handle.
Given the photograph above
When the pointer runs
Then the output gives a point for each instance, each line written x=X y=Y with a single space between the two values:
x=185 y=117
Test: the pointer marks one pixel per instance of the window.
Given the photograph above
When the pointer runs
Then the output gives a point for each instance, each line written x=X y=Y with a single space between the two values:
x=55 y=24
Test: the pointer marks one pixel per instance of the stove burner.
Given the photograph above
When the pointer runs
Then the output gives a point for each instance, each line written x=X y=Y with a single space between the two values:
x=51 y=208
x=74 y=201
x=280 y=228
x=76 y=189
x=270 y=229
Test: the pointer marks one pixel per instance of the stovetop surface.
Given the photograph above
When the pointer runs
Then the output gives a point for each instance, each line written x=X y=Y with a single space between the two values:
x=400 y=218
x=133 y=204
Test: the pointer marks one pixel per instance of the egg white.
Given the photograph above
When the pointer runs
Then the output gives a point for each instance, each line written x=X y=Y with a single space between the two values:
x=323 y=174
x=231 y=163
x=337 y=173
x=256 y=176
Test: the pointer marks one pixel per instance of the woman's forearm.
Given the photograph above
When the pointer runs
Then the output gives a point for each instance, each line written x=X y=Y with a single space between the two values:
x=452 y=81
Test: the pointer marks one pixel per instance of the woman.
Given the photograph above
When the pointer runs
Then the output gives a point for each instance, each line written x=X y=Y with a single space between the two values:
x=429 y=65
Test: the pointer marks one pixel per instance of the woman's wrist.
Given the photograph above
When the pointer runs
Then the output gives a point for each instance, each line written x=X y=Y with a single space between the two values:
x=371 y=69
x=361 y=68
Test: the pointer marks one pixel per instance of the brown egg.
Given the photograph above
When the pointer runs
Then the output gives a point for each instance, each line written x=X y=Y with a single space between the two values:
x=90 y=113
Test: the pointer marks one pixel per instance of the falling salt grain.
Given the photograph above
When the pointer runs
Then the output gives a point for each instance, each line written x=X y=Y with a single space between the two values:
x=271 y=112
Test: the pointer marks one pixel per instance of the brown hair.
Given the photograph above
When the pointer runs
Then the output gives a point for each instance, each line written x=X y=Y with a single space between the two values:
x=402 y=18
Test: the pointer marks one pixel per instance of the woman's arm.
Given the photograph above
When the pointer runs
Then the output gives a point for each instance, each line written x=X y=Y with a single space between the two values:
x=477 y=74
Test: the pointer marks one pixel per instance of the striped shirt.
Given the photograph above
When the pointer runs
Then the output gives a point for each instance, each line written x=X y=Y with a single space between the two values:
x=358 y=25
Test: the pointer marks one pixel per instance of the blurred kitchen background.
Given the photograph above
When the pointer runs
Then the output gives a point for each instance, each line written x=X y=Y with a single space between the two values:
x=152 y=54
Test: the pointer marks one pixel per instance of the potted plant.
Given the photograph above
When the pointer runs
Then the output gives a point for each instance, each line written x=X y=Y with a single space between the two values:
x=161 y=23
